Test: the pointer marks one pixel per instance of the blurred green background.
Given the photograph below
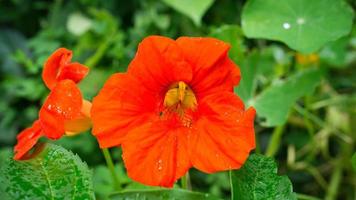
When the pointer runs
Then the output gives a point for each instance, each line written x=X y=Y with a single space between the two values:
x=306 y=103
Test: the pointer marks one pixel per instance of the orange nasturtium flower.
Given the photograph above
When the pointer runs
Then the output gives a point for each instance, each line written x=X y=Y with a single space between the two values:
x=175 y=109
x=64 y=111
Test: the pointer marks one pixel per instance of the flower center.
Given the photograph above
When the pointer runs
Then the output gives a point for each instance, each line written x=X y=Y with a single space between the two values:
x=180 y=100
x=181 y=96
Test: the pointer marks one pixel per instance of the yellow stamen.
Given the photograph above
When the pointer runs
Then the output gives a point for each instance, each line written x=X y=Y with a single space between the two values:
x=181 y=96
x=181 y=88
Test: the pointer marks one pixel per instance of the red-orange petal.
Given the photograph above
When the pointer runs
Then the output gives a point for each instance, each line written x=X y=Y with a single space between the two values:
x=73 y=71
x=212 y=69
x=58 y=67
x=63 y=103
x=156 y=155
x=224 y=134
x=158 y=63
x=60 y=57
x=27 y=139
x=121 y=105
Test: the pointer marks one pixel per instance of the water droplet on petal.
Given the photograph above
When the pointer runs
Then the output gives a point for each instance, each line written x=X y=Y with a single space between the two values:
x=159 y=163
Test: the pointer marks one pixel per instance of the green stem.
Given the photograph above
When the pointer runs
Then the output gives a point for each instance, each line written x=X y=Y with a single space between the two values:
x=185 y=182
x=275 y=141
x=334 y=183
x=100 y=52
x=306 y=197
x=233 y=195
x=110 y=164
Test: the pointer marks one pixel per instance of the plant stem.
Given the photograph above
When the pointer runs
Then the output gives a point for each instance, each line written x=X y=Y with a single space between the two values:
x=333 y=188
x=232 y=185
x=306 y=197
x=185 y=182
x=110 y=164
x=275 y=141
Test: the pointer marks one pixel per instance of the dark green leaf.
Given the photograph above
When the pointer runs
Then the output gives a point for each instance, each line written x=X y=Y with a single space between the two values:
x=258 y=180
x=274 y=103
x=303 y=25
x=163 y=194
x=53 y=174
x=193 y=9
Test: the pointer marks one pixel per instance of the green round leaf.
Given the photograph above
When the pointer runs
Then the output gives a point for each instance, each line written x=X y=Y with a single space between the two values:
x=53 y=174
x=304 y=25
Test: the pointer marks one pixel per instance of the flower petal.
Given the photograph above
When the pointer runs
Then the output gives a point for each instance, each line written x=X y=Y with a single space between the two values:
x=73 y=71
x=224 y=134
x=27 y=139
x=122 y=104
x=212 y=69
x=158 y=63
x=59 y=58
x=63 y=103
x=155 y=154
x=58 y=67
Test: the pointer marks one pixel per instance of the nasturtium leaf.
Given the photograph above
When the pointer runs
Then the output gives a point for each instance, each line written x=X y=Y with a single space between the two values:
x=258 y=180
x=304 y=25
x=353 y=161
x=195 y=10
x=233 y=35
x=274 y=103
x=55 y=173
x=161 y=194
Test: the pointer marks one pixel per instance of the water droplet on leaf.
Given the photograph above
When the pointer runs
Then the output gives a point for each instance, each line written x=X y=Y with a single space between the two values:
x=286 y=25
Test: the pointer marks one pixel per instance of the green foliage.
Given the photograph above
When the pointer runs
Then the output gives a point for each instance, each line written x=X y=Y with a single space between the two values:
x=193 y=9
x=273 y=104
x=103 y=182
x=162 y=194
x=353 y=160
x=258 y=180
x=54 y=174
x=303 y=25
x=233 y=35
